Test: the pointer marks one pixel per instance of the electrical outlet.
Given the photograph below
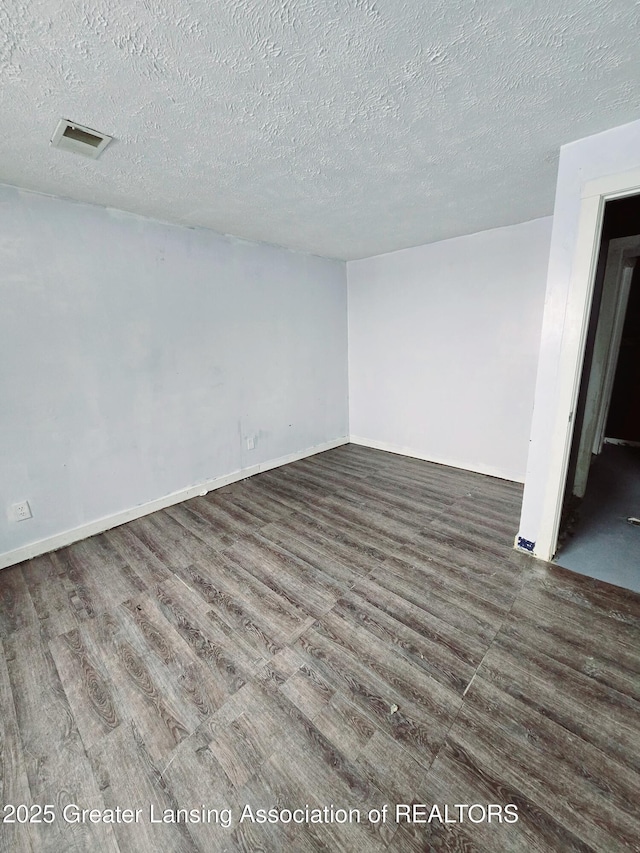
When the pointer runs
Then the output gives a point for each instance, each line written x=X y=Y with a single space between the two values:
x=21 y=511
x=251 y=443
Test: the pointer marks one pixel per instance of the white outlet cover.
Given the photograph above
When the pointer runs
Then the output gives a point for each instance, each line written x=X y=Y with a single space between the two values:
x=251 y=443
x=21 y=511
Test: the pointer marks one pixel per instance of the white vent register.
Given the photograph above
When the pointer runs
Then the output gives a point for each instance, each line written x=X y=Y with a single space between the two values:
x=81 y=140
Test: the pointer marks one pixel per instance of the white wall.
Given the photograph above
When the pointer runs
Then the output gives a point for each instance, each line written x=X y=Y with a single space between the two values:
x=443 y=347
x=609 y=153
x=138 y=356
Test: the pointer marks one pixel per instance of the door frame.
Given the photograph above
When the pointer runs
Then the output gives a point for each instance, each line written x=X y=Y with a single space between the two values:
x=628 y=270
x=589 y=432
x=595 y=194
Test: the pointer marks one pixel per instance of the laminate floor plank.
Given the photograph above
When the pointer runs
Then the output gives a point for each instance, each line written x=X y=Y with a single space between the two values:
x=436 y=482
x=349 y=630
x=236 y=753
x=398 y=602
x=444 y=607
x=381 y=657
x=460 y=550
x=379 y=529
x=395 y=463
x=291 y=614
x=286 y=574
x=130 y=777
x=144 y=694
x=343 y=465
x=187 y=547
x=489 y=572
x=589 y=595
x=296 y=572
x=574 y=619
x=223 y=514
x=493 y=592
x=87 y=685
x=488 y=600
x=439 y=476
x=155 y=537
x=14 y=785
x=471 y=542
x=305 y=472
x=436 y=837
x=518 y=754
x=50 y=596
x=596 y=777
x=197 y=692
x=250 y=837
x=387 y=703
x=460 y=776
x=308 y=691
x=435 y=659
x=17 y=611
x=314 y=554
x=139 y=558
x=395 y=504
x=263 y=508
x=430 y=502
x=479 y=517
x=291 y=492
x=57 y=767
x=590 y=653
x=241 y=599
x=210 y=521
x=499 y=492
x=352 y=550
x=568 y=708
x=386 y=481
x=267 y=722
x=342 y=723
x=333 y=780
x=193 y=779
x=565 y=678
x=274 y=672
x=324 y=761
x=230 y=655
x=85 y=563
x=185 y=516
x=266 y=729
x=398 y=770
x=210 y=728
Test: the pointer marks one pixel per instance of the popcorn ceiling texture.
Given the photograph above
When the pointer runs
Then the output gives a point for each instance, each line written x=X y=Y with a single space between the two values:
x=345 y=128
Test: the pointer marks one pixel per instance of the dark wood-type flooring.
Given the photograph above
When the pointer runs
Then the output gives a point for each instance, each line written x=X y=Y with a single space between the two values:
x=353 y=629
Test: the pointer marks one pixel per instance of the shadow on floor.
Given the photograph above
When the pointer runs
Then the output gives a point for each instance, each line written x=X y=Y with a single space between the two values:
x=604 y=545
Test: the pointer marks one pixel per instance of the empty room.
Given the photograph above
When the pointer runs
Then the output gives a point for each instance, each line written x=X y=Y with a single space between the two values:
x=319 y=472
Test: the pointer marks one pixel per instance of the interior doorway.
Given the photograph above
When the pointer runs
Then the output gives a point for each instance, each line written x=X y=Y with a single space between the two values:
x=602 y=489
x=623 y=421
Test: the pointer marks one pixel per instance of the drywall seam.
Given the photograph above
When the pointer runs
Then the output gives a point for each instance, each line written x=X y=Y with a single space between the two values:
x=121 y=214
x=488 y=470
x=68 y=537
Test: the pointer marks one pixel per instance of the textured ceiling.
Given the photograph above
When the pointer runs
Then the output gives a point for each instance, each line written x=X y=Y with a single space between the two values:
x=340 y=127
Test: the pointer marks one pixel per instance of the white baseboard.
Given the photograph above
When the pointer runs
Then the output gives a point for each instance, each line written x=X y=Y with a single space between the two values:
x=451 y=463
x=68 y=537
x=621 y=441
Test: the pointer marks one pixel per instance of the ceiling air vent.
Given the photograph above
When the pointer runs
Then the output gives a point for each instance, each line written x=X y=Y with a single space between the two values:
x=81 y=140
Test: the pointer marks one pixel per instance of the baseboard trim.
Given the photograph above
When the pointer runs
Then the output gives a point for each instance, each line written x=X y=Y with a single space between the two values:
x=622 y=442
x=488 y=470
x=68 y=537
